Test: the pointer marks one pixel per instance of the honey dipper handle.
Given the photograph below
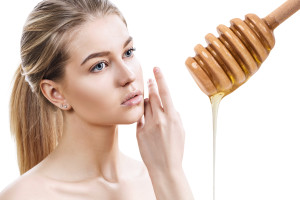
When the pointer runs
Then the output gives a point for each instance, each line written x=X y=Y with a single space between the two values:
x=282 y=13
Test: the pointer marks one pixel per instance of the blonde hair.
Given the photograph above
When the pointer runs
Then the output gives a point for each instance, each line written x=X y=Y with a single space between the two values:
x=36 y=124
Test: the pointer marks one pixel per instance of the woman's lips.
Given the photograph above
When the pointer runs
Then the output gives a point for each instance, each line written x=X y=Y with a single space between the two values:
x=131 y=95
x=133 y=101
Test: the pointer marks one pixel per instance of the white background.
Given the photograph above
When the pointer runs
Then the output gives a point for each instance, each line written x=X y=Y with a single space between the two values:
x=258 y=153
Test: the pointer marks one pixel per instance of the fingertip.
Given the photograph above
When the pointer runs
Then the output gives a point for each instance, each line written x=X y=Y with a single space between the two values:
x=157 y=73
x=156 y=70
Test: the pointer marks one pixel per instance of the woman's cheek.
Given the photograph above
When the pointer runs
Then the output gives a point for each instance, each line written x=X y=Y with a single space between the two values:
x=139 y=72
x=86 y=94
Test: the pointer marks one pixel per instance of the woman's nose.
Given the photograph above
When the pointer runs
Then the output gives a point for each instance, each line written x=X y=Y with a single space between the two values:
x=126 y=74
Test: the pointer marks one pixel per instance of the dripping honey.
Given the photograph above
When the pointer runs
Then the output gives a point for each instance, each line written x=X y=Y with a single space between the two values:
x=215 y=101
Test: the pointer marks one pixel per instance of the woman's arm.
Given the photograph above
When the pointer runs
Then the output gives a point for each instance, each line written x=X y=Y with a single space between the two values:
x=171 y=185
x=161 y=142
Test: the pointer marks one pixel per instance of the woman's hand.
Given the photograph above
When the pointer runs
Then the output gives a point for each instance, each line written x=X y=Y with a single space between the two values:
x=161 y=135
x=161 y=142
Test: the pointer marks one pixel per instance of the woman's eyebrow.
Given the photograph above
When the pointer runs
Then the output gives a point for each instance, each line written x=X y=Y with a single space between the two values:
x=127 y=41
x=104 y=53
x=95 y=55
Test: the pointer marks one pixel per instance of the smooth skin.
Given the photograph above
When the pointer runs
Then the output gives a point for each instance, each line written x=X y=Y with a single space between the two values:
x=161 y=142
x=87 y=163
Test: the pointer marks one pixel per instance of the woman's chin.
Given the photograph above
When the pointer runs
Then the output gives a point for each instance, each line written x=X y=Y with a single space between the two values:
x=134 y=116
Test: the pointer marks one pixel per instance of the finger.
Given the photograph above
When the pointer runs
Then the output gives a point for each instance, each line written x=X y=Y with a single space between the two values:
x=147 y=109
x=163 y=90
x=154 y=98
x=140 y=124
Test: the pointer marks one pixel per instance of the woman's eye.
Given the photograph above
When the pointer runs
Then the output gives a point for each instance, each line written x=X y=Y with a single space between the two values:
x=98 y=67
x=129 y=52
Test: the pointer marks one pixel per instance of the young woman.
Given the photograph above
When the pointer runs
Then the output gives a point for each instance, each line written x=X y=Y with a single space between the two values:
x=77 y=81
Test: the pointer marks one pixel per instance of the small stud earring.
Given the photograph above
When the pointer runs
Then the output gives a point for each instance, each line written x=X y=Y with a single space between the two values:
x=64 y=106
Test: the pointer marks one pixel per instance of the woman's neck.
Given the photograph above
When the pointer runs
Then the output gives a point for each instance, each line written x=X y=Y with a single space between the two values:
x=85 y=152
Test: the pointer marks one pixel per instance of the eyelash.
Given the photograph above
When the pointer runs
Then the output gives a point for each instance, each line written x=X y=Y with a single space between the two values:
x=132 y=49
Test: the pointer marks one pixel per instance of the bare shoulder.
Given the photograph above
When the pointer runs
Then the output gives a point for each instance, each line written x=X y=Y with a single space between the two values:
x=27 y=186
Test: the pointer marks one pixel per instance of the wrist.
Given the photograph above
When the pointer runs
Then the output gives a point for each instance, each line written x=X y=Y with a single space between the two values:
x=171 y=184
x=168 y=173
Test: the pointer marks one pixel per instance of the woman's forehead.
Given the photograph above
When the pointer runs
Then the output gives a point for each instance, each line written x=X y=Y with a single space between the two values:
x=100 y=34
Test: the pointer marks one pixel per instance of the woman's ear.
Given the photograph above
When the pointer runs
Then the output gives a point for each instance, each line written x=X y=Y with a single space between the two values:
x=52 y=92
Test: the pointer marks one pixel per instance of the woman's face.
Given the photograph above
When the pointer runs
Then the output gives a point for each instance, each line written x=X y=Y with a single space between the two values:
x=101 y=72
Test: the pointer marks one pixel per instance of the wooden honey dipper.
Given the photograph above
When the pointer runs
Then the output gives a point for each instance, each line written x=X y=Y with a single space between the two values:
x=230 y=60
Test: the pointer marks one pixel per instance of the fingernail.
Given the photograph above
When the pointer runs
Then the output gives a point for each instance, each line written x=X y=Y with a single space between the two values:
x=156 y=69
